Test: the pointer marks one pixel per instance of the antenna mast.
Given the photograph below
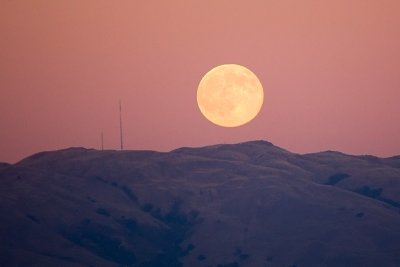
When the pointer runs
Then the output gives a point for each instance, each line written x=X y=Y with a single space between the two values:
x=120 y=124
x=102 y=141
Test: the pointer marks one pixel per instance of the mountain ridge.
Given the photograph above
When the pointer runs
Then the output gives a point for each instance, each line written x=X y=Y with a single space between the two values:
x=227 y=205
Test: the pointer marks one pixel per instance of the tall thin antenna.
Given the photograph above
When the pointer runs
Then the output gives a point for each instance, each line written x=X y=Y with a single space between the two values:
x=102 y=141
x=120 y=124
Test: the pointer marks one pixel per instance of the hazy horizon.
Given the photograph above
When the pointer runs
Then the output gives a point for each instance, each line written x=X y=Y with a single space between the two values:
x=194 y=147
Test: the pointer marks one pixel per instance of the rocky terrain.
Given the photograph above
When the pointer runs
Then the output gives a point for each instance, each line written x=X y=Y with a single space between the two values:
x=239 y=205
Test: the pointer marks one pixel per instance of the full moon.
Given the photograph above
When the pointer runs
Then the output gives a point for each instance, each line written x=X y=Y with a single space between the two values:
x=230 y=95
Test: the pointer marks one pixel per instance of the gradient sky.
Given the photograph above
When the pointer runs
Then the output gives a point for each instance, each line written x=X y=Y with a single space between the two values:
x=330 y=71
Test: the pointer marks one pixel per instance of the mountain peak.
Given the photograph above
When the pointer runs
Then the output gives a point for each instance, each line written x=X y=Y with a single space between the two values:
x=239 y=204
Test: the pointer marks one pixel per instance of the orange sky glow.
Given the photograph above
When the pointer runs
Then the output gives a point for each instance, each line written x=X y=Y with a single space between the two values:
x=330 y=71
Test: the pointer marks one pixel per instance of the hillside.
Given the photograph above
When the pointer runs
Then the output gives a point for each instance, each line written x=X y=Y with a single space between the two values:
x=238 y=205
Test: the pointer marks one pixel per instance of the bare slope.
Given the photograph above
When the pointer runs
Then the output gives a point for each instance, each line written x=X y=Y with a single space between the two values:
x=248 y=204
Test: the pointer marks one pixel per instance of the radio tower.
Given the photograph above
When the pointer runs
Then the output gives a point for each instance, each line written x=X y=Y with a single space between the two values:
x=120 y=124
x=102 y=141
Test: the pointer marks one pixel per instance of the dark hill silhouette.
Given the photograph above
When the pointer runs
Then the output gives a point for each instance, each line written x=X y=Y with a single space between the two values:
x=247 y=204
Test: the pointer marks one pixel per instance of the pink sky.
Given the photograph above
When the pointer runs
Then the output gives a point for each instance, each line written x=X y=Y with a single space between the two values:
x=330 y=71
